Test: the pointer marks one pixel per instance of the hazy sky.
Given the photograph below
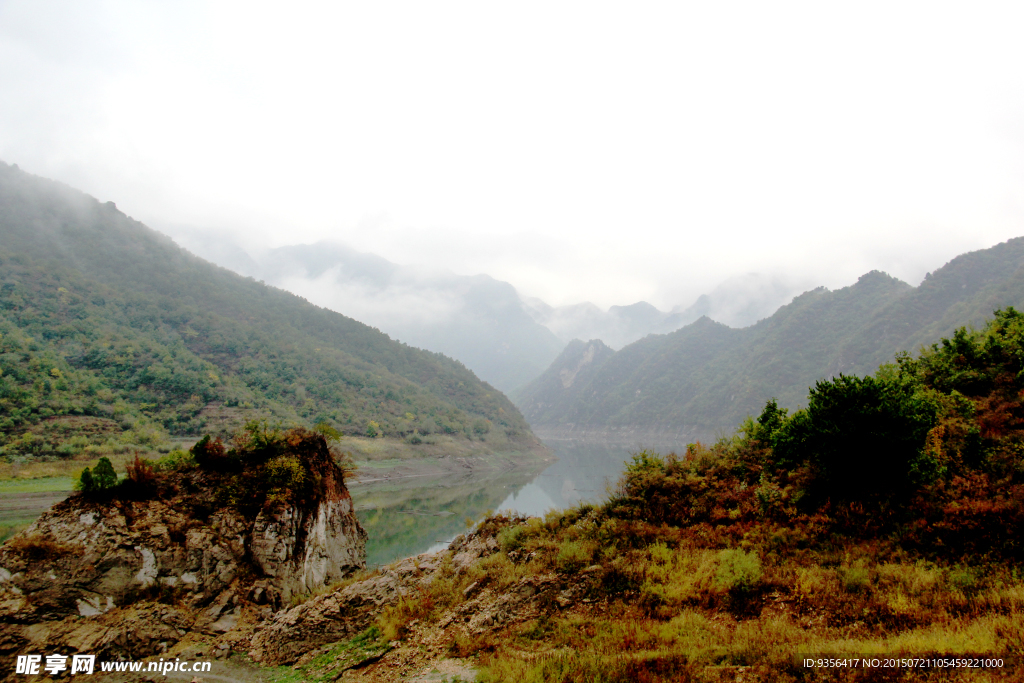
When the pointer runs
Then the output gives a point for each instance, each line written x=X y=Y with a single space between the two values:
x=602 y=151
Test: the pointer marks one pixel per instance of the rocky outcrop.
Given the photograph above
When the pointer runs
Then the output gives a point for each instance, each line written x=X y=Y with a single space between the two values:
x=193 y=545
x=342 y=614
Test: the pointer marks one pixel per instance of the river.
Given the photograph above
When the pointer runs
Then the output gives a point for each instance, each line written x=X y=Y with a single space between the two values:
x=408 y=517
x=405 y=517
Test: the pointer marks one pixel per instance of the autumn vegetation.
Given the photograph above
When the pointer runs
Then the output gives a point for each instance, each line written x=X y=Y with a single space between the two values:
x=883 y=518
x=260 y=467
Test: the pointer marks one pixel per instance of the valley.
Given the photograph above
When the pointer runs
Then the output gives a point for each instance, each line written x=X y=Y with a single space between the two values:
x=256 y=479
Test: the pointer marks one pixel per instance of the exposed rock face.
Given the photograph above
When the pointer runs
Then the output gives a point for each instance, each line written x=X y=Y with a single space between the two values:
x=303 y=547
x=205 y=541
x=342 y=614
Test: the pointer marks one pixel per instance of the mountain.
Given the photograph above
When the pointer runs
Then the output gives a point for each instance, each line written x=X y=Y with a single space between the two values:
x=737 y=302
x=112 y=335
x=616 y=327
x=703 y=379
x=504 y=338
x=477 y=319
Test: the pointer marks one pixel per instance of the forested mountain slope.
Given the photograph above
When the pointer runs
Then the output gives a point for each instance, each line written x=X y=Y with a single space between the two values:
x=477 y=319
x=107 y=323
x=703 y=379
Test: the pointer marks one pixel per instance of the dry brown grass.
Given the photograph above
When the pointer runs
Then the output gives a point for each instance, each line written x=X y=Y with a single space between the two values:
x=657 y=608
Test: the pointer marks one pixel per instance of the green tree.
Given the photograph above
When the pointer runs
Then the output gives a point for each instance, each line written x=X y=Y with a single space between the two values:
x=324 y=429
x=770 y=421
x=864 y=436
x=104 y=476
x=85 y=482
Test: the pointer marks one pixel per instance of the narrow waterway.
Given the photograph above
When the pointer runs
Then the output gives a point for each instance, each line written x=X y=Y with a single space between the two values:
x=408 y=517
x=405 y=517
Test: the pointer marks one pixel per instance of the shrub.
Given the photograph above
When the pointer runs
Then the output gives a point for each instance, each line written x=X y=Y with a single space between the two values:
x=962 y=578
x=100 y=478
x=512 y=538
x=864 y=435
x=177 y=460
x=770 y=421
x=73 y=446
x=324 y=429
x=810 y=581
x=38 y=548
x=84 y=481
x=284 y=474
x=671 y=577
x=258 y=440
x=573 y=556
x=481 y=426
x=737 y=570
x=209 y=453
x=855 y=578
x=141 y=472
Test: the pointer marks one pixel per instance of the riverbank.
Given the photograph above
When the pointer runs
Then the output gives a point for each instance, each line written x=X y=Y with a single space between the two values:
x=631 y=437
x=29 y=489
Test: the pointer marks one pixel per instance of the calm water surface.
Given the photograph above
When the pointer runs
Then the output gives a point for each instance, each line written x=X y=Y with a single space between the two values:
x=414 y=516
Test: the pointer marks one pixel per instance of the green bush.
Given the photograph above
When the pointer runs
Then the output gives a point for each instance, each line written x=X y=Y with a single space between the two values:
x=512 y=538
x=481 y=426
x=962 y=578
x=85 y=482
x=326 y=430
x=737 y=570
x=864 y=435
x=284 y=472
x=855 y=578
x=104 y=475
x=573 y=556
x=177 y=460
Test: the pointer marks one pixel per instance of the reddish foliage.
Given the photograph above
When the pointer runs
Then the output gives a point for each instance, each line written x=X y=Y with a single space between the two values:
x=141 y=473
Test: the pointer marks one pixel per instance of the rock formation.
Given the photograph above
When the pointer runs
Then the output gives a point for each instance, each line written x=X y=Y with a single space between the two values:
x=131 y=570
x=341 y=614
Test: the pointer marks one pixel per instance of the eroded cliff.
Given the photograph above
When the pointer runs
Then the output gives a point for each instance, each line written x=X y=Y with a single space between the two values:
x=130 y=570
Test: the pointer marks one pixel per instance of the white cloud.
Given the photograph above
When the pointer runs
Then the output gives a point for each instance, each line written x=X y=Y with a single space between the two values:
x=578 y=150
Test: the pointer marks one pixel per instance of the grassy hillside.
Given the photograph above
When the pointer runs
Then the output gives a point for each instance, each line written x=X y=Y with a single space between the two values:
x=112 y=337
x=881 y=522
x=703 y=379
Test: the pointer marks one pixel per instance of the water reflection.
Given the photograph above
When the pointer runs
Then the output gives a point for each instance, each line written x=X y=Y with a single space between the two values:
x=407 y=517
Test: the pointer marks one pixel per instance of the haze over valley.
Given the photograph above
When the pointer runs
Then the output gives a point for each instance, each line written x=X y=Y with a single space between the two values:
x=505 y=338
x=524 y=342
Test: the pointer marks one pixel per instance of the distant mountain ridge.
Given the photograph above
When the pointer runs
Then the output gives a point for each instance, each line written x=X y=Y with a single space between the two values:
x=504 y=338
x=738 y=302
x=703 y=379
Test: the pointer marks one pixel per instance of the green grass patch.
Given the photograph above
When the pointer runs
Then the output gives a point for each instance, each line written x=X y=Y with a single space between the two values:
x=41 y=485
x=334 y=660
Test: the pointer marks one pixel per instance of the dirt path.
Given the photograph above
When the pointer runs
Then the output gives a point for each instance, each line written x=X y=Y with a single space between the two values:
x=23 y=505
